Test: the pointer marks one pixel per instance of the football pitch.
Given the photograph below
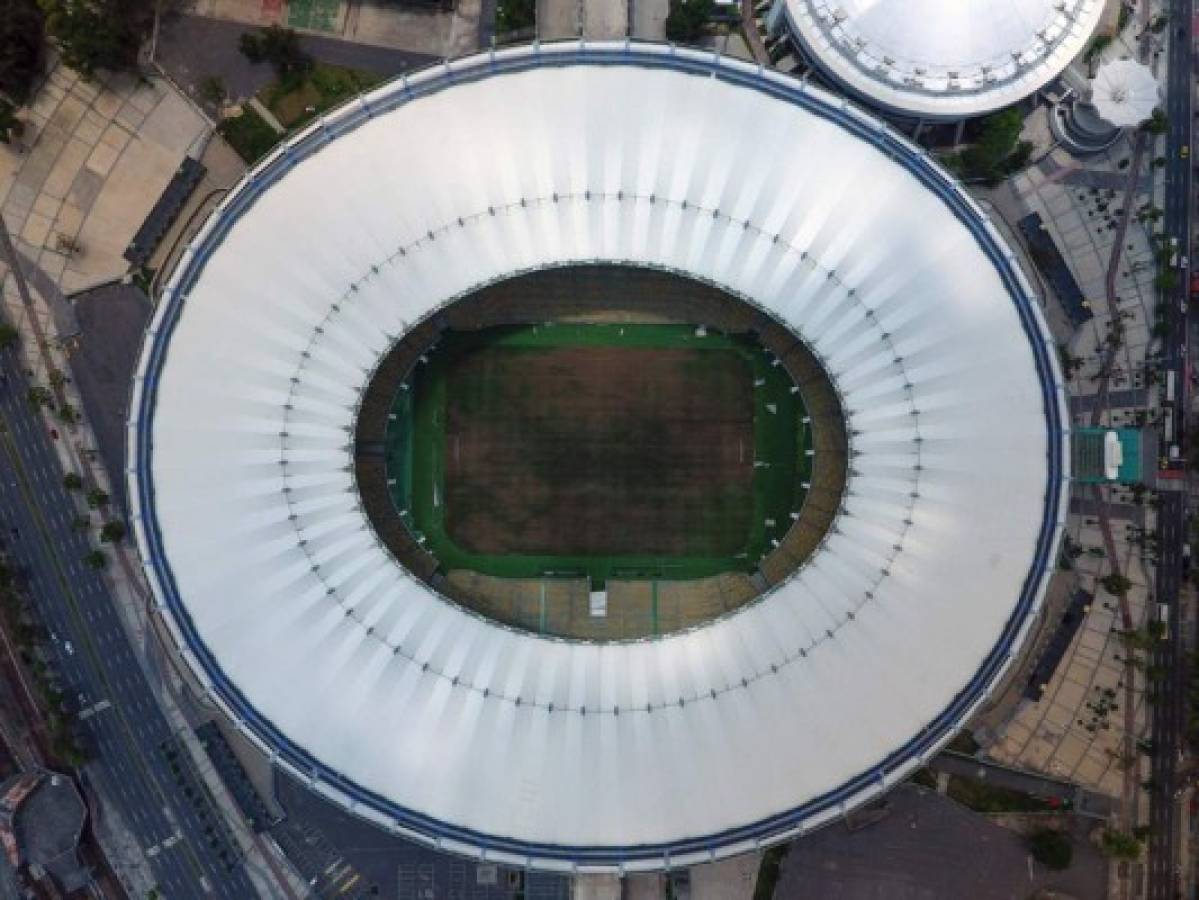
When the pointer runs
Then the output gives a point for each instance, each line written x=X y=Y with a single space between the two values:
x=602 y=451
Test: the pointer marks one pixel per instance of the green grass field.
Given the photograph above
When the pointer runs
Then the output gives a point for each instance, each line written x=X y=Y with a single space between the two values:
x=604 y=451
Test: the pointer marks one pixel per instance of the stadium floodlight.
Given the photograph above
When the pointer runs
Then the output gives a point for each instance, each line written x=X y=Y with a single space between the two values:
x=635 y=754
x=1125 y=92
x=942 y=59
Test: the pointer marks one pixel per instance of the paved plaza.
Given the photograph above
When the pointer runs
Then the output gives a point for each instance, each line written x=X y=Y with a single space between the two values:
x=1076 y=731
x=94 y=159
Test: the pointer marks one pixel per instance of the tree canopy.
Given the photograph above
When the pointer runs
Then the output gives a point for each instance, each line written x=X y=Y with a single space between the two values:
x=21 y=44
x=688 y=20
x=1051 y=848
x=998 y=150
x=281 y=48
x=99 y=34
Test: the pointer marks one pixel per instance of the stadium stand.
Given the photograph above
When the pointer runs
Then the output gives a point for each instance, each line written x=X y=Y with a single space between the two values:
x=1058 y=644
x=164 y=212
x=637 y=607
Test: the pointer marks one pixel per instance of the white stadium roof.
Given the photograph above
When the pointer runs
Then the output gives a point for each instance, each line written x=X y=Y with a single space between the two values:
x=943 y=59
x=547 y=752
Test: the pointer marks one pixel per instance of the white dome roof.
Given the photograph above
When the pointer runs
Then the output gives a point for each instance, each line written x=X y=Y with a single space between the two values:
x=1125 y=92
x=944 y=59
x=438 y=723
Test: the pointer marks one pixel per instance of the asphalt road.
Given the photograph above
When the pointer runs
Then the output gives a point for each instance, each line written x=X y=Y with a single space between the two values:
x=96 y=660
x=1170 y=707
x=192 y=48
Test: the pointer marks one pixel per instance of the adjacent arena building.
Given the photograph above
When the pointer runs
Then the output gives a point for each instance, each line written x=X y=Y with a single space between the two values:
x=934 y=61
x=683 y=255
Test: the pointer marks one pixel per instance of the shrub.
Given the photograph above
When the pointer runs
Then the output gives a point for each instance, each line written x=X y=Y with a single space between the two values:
x=212 y=89
x=1120 y=845
x=249 y=135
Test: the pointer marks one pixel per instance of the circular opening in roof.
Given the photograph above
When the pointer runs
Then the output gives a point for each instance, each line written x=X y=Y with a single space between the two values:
x=601 y=452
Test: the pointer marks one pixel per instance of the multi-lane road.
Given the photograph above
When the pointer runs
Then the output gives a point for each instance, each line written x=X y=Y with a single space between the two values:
x=124 y=725
x=1169 y=710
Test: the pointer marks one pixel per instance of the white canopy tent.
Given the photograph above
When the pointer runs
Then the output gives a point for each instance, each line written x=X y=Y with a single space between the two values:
x=428 y=719
x=943 y=59
x=1125 y=92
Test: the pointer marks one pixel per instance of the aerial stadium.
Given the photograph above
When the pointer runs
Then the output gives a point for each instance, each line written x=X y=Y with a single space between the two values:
x=935 y=61
x=598 y=457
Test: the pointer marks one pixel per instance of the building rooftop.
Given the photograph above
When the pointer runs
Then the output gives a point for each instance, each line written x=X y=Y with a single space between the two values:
x=546 y=752
x=938 y=60
x=42 y=814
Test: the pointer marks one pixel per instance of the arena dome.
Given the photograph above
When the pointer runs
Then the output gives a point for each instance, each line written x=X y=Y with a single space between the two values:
x=934 y=59
x=406 y=709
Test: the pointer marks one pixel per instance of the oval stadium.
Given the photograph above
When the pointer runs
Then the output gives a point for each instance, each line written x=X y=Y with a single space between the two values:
x=598 y=457
x=931 y=60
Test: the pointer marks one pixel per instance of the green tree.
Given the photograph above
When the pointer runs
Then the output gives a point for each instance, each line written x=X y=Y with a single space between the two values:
x=111 y=532
x=281 y=48
x=1115 y=583
x=998 y=149
x=99 y=34
x=1120 y=845
x=40 y=396
x=96 y=498
x=96 y=559
x=71 y=481
x=22 y=42
x=8 y=335
x=512 y=15
x=687 y=20
x=1165 y=281
x=1050 y=848
x=250 y=46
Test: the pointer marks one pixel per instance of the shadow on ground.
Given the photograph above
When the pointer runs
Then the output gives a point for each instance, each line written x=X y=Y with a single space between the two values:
x=112 y=319
x=930 y=848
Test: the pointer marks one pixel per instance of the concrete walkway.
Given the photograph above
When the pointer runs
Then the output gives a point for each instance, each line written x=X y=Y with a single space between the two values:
x=92 y=163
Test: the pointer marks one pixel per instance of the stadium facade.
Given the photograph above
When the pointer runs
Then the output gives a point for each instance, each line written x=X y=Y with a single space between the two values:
x=932 y=60
x=410 y=711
